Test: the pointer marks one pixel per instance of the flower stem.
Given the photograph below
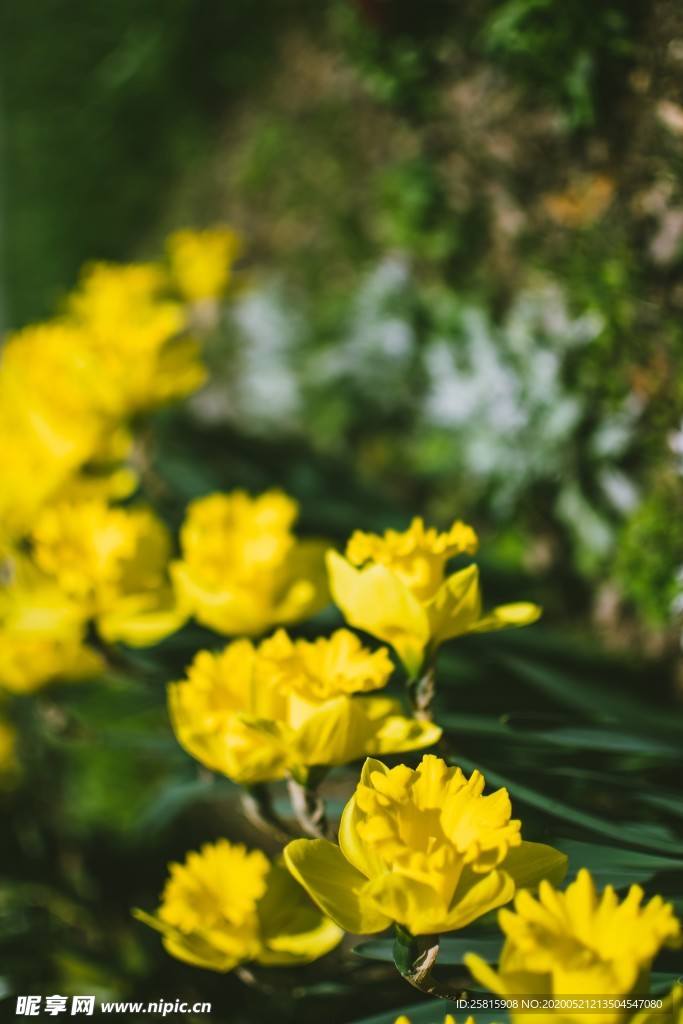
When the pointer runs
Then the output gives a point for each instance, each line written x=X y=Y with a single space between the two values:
x=257 y=805
x=421 y=694
x=415 y=956
x=309 y=809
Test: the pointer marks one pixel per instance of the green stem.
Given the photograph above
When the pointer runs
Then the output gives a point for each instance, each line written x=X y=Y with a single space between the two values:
x=415 y=956
x=421 y=693
x=309 y=809
x=259 y=811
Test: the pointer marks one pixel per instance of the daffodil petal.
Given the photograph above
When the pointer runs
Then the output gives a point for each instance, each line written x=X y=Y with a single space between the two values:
x=348 y=728
x=492 y=891
x=189 y=948
x=530 y=863
x=192 y=951
x=140 y=623
x=520 y=613
x=411 y=903
x=337 y=733
x=484 y=974
x=356 y=852
x=292 y=929
x=457 y=605
x=375 y=600
x=225 y=611
x=309 y=592
x=334 y=885
x=246 y=750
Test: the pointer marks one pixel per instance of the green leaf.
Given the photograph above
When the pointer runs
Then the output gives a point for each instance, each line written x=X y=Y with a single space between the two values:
x=595 y=698
x=589 y=737
x=557 y=809
x=662 y=982
x=613 y=865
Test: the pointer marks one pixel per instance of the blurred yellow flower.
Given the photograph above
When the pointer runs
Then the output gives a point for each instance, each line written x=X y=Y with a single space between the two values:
x=396 y=588
x=30 y=476
x=671 y=1012
x=448 y=1019
x=41 y=632
x=112 y=562
x=8 y=759
x=49 y=372
x=227 y=905
x=123 y=297
x=67 y=385
x=579 y=943
x=424 y=849
x=134 y=333
x=242 y=569
x=202 y=261
x=256 y=715
x=48 y=429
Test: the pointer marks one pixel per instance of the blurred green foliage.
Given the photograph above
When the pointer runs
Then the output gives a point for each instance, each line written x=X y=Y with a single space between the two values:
x=104 y=110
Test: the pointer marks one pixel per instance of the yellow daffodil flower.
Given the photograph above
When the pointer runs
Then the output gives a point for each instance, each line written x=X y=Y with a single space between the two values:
x=41 y=632
x=112 y=562
x=579 y=943
x=424 y=849
x=135 y=336
x=202 y=261
x=242 y=569
x=395 y=587
x=227 y=905
x=257 y=715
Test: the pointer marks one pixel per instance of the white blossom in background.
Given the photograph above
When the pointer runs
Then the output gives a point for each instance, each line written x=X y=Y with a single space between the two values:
x=259 y=386
x=269 y=386
x=676 y=445
x=500 y=391
x=376 y=350
x=496 y=398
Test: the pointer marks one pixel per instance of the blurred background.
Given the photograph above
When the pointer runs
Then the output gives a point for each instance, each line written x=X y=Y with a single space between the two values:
x=461 y=296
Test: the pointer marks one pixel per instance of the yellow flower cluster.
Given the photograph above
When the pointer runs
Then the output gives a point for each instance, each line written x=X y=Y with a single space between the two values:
x=71 y=390
x=259 y=714
x=397 y=588
x=226 y=905
x=424 y=849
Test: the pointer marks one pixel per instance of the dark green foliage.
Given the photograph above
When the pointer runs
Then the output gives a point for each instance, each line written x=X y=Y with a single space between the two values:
x=649 y=547
x=569 y=51
x=105 y=108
